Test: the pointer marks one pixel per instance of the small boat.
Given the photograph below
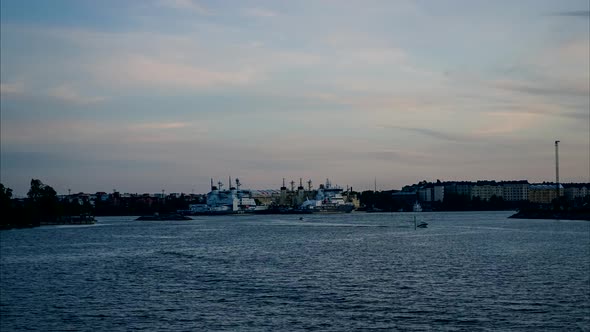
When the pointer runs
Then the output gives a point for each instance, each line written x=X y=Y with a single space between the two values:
x=417 y=207
x=422 y=224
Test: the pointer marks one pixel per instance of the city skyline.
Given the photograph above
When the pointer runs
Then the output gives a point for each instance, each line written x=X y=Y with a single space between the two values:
x=148 y=95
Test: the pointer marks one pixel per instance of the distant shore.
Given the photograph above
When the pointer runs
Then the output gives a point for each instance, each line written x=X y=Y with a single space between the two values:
x=548 y=214
x=167 y=217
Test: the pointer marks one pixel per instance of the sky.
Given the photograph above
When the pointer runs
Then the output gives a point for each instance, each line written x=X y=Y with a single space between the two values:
x=150 y=95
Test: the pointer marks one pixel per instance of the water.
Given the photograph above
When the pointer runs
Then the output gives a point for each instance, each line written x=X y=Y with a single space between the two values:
x=465 y=272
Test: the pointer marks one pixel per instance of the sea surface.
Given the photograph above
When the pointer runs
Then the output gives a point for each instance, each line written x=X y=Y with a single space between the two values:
x=473 y=271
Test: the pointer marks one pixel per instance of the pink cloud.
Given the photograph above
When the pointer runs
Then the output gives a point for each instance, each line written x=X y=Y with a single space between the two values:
x=149 y=71
x=159 y=125
x=260 y=12
x=70 y=95
x=11 y=88
x=507 y=123
x=190 y=5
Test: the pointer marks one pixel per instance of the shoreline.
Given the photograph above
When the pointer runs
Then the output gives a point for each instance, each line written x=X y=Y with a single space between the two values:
x=560 y=215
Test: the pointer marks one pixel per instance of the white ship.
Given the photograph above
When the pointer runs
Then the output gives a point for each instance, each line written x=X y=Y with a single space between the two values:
x=328 y=199
x=231 y=201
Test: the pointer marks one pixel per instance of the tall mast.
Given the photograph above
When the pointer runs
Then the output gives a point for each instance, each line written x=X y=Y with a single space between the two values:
x=557 y=169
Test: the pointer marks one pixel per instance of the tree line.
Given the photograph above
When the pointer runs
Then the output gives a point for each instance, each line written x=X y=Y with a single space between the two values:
x=40 y=206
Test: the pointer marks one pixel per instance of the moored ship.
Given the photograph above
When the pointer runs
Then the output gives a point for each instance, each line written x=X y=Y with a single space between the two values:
x=231 y=201
x=329 y=199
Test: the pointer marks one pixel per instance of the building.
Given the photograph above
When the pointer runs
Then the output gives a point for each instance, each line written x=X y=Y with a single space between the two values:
x=574 y=191
x=515 y=191
x=438 y=193
x=425 y=194
x=485 y=190
x=458 y=187
x=407 y=198
x=544 y=193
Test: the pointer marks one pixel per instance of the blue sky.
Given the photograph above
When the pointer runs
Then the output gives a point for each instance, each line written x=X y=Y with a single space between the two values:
x=141 y=96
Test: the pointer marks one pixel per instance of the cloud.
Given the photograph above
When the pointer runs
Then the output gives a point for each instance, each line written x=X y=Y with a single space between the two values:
x=115 y=135
x=384 y=155
x=55 y=132
x=534 y=88
x=374 y=56
x=436 y=134
x=259 y=12
x=149 y=71
x=67 y=94
x=11 y=88
x=165 y=132
x=506 y=123
x=190 y=5
x=574 y=13
x=159 y=125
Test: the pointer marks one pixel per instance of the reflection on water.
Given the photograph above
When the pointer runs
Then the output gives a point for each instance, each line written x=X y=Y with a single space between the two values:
x=466 y=271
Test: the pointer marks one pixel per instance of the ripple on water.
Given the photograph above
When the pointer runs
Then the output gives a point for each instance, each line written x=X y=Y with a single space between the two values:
x=466 y=272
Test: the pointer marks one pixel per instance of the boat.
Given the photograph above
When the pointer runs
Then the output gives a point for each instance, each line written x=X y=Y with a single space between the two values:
x=231 y=201
x=422 y=224
x=417 y=207
x=328 y=199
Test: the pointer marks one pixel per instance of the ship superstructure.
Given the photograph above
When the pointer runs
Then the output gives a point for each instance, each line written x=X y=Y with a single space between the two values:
x=230 y=201
x=328 y=199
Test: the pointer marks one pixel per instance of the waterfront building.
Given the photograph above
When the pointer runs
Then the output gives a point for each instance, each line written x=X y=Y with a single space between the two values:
x=458 y=187
x=544 y=193
x=514 y=191
x=407 y=198
x=486 y=190
x=425 y=194
x=573 y=191
x=438 y=193
x=431 y=192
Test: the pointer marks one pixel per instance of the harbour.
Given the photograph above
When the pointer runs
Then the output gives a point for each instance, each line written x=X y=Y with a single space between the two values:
x=327 y=198
x=199 y=165
x=330 y=272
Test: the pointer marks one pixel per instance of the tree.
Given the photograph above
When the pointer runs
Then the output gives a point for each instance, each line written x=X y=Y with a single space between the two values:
x=6 y=207
x=5 y=198
x=42 y=201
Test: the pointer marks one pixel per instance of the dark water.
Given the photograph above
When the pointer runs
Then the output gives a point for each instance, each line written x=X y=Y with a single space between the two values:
x=465 y=272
